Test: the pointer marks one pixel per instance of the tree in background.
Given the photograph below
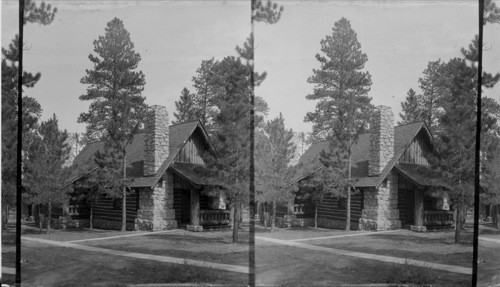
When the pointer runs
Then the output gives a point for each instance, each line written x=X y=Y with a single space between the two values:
x=43 y=14
x=45 y=171
x=344 y=107
x=117 y=109
x=431 y=84
x=274 y=151
x=186 y=110
x=410 y=109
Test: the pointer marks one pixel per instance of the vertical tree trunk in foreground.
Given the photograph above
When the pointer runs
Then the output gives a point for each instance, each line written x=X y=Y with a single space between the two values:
x=273 y=215
x=348 y=207
x=316 y=215
x=458 y=222
x=124 y=195
x=236 y=222
x=91 y=214
x=49 y=217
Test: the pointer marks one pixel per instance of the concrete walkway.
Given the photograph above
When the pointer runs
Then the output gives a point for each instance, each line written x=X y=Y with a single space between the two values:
x=158 y=258
x=8 y=270
x=489 y=239
x=120 y=236
x=382 y=258
x=341 y=236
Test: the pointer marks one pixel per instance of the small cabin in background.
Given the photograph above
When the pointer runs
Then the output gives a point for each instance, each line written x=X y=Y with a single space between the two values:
x=393 y=187
x=168 y=185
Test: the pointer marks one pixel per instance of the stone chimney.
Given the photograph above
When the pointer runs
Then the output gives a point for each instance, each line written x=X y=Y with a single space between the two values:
x=156 y=146
x=381 y=140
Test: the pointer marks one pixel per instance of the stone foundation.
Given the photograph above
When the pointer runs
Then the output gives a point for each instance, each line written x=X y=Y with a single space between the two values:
x=195 y=228
x=156 y=206
x=418 y=228
x=380 y=210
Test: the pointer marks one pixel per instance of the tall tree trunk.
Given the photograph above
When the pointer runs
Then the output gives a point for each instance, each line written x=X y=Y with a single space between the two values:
x=348 y=207
x=236 y=222
x=41 y=218
x=91 y=214
x=231 y=214
x=49 y=217
x=495 y=216
x=5 y=216
x=124 y=195
x=458 y=222
x=273 y=215
x=316 y=215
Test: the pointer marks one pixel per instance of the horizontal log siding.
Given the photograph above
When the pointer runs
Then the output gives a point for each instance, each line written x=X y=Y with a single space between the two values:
x=103 y=209
x=330 y=208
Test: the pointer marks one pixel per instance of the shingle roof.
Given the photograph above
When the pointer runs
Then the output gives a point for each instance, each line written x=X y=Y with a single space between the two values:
x=403 y=137
x=419 y=174
x=178 y=135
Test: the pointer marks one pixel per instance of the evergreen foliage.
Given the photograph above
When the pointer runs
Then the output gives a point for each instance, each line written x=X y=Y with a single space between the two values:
x=343 y=109
x=117 y=110
x=410 y=108
x=186 y=110
x=45 y=172
x=42 y=14
x=274 y=151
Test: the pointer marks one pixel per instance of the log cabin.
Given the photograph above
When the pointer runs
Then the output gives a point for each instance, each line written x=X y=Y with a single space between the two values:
x=166 y=177
x=393 y=189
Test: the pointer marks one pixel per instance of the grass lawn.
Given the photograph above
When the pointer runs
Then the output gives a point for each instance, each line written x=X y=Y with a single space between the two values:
x=436 y=247
x=58 y=266
x=290 y=266
x=213 y=246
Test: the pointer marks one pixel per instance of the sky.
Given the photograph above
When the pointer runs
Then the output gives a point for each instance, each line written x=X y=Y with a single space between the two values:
x=173 y=37
x=399 y=37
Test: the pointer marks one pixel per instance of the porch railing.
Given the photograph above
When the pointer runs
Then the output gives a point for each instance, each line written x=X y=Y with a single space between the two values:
x=214 y=217
x=298 y=208
x=439 y=217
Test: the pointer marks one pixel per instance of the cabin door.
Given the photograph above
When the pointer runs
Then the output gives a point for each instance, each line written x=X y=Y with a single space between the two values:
x=182 y=206
x=406 y=206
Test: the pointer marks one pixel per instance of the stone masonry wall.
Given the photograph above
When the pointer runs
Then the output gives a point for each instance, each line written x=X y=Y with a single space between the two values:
x=156 y=206
x=156 y=148
x=381 y=140
x=380 y=210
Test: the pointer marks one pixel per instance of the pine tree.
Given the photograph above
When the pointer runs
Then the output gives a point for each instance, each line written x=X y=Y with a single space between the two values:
x=411 y=111
x=274 y=151
x=42 y=14
x=432 y=84
x=117 y=110
x=343 y=110
x=186 y=110
x=46 y=174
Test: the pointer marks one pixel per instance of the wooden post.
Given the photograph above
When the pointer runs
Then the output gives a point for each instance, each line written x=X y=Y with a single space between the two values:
x=195 y=207
x=419 y=207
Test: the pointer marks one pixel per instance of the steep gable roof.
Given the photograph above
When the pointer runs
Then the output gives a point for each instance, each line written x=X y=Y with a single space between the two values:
x=403 y=137
x=178 y=136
